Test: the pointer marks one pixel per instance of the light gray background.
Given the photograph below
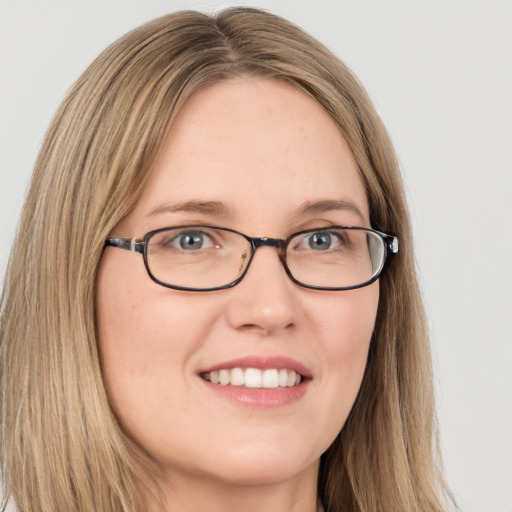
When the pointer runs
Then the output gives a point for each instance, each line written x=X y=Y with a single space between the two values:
x=440 y=73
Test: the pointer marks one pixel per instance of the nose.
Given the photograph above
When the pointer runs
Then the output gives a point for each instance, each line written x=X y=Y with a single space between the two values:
x=266 y=300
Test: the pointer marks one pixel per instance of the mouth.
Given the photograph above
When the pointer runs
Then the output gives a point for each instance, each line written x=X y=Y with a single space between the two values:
x=261 y=381
x=254 y=378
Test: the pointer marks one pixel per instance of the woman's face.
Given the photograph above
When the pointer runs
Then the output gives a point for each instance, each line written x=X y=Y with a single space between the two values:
x=262 y=158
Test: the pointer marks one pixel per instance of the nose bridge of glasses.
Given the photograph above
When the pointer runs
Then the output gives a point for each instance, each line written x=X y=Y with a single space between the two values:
x=278 y=243
x=257 y=242
x=268 y=242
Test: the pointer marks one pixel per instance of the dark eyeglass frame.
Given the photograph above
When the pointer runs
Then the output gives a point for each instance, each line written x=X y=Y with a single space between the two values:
x=132 y=244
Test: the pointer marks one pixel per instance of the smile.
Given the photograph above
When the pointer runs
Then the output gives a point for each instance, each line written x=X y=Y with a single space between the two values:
x=271 y=378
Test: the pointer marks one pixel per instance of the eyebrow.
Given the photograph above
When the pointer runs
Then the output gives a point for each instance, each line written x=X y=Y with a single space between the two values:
x=328 y=205
x=214 y=208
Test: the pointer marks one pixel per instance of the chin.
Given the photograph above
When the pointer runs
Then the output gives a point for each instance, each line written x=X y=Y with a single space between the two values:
x=262 y=463
x=243 y=473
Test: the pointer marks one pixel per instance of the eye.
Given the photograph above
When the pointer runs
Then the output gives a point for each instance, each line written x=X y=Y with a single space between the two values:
x=320 y=240
x=191 y=241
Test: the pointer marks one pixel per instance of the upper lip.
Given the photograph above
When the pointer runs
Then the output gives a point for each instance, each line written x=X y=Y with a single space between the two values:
x=261 y=362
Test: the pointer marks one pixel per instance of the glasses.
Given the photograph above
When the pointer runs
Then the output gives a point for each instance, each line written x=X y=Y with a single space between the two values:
x=207 y=258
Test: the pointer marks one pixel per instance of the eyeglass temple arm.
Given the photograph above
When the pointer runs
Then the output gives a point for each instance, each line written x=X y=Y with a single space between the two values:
x=129 y=244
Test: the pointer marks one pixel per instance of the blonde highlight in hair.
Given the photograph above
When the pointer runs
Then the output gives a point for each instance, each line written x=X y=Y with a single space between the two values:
x=61 y=445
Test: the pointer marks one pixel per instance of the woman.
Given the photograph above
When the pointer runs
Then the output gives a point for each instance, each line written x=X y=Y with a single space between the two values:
x=253 y=354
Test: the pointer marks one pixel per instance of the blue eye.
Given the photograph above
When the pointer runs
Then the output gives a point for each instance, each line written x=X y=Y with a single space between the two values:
x=321 y=241
x=191 y=241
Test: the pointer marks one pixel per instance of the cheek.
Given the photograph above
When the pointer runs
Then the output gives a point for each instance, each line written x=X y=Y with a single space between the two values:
x=145 y=345
x=348 y=323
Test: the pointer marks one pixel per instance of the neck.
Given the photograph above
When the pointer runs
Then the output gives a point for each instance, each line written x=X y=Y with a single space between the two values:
x=192 y=493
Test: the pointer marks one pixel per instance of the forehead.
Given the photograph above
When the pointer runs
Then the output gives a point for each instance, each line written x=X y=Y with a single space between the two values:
x=258 y=146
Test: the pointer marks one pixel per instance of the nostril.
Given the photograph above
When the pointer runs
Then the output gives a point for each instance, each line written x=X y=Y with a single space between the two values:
x=263 y=329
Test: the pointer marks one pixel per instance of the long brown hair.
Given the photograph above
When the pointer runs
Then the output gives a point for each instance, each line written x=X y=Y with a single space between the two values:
x=61 y=446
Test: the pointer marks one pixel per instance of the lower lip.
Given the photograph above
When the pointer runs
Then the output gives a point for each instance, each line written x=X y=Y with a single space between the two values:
x=259 y=397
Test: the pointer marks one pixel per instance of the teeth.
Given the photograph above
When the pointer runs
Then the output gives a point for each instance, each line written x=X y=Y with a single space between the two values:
x=237 y=377
x=291 y=379
x=283 y=378
x=270 y=379
x=224 y=377
x=254 y=378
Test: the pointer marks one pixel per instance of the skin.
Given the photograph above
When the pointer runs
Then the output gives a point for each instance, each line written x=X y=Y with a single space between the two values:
x=263 y=149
